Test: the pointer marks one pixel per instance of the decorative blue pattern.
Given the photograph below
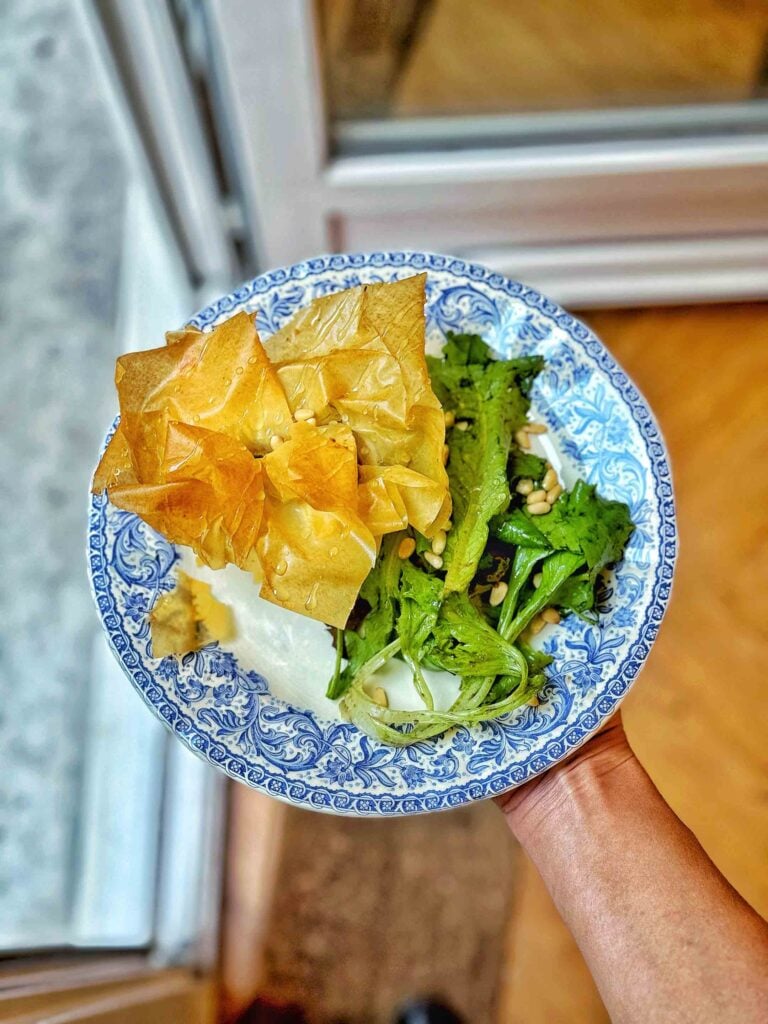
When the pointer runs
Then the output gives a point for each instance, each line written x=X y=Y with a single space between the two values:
x=602 y=426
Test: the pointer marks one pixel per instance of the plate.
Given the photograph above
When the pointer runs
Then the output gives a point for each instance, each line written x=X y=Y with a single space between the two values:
x=256 y=708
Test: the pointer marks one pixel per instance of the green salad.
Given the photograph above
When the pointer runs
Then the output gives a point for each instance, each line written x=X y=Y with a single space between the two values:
x=522 y=552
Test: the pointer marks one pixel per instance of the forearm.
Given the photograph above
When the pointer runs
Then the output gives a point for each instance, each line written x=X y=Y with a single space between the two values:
x=665 y=936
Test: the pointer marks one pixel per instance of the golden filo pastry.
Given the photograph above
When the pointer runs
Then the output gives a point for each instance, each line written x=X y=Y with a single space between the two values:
x=292 y=459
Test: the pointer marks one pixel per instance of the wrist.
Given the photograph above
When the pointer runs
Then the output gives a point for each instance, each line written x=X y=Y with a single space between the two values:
x=577 y=788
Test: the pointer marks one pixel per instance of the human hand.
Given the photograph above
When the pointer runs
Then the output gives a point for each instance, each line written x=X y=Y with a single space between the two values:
x=663 y=933
x=532 y=803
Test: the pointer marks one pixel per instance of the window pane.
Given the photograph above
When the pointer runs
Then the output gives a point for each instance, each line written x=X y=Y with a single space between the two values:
x=82 y=759
x=451 y=57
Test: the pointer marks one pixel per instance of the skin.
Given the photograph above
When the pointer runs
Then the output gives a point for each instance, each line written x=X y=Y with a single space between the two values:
x=666 y=938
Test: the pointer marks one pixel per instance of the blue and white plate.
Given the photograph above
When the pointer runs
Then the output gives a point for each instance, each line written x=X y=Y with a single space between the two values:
x=255 y=708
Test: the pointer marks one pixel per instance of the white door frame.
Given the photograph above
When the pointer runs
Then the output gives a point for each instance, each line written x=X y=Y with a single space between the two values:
x=677 y=217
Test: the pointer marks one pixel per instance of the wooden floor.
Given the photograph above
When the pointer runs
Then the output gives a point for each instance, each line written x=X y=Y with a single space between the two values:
x=698 y=715
x=367 y=913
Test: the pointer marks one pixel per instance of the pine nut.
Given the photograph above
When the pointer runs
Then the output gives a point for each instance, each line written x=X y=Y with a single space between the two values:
x=533 y=702
x=536 y=428
x=522 y=439
x=550 y=479
x=462 y=424
x=524 y=486
x=450 y=417
x=438 y=544
x=498 y=593
x=554 y=493
x=275 y=441
x=446 y=453
x=303 y=414
x=551 y=615
x=536 y=496
x=536 y=625
x=540 y=508
x=379 y=696
x=537 y=581
x=434 y=560
x=311 y=422
x=449 y=525
x=407 y=547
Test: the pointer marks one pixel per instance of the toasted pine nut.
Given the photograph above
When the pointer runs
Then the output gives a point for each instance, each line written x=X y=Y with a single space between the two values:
x=536 y=428
x=551 y=615
x=522 y=439
x=554 y=493
x=536 y=626
x=303 y=414
x=434 y=560
x=379 y=696
x=438 y=544
x=533 y=702
x=406 y=548
x=450 y=417
x=537 y=581
x=524 y=486
x=275 y=441
x=536 y=496
x=498 y=593
x=449 y=525
x=446 y=453
x=462 y=424
x=550 y=479
x=540 y=508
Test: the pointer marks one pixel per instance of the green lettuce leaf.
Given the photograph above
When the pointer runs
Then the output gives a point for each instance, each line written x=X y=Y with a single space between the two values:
x=375 y=631
x=419 y=596
x=577 y=595
x=489 y=399
x=537 y=661
x=525 y=464
x=555 y=570
x=589 y=527
x=463 y=349
x=584 y=523
x=524 y=561
x=465 y=644
x=520 y=529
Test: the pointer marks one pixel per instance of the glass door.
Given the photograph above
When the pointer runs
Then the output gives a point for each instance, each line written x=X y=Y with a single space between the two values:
x=609 y=152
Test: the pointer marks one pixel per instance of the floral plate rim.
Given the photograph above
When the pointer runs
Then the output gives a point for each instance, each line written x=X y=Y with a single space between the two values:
x=333 y=799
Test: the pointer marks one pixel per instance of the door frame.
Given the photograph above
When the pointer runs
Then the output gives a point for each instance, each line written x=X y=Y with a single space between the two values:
x=530 y=204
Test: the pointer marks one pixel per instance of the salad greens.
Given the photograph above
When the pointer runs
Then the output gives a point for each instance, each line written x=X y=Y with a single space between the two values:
x=489 y=398
x=502 y=565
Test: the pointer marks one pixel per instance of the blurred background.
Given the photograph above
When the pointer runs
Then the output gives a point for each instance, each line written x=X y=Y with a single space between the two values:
x=613 y=153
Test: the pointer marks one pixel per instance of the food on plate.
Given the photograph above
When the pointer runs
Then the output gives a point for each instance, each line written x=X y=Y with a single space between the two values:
x=393 y=496
x=293 y=461
x=187 y=618
x=521 y=552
